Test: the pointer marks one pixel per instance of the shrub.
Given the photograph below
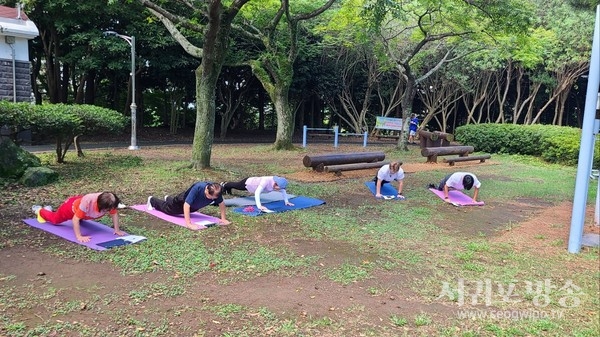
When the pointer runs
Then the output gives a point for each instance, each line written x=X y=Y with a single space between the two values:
x=62 y=122
x=15 y=116
x=554 y=144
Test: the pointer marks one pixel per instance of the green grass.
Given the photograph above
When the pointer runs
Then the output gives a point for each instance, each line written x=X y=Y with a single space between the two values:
x=348 y=273
x=422 y=319
x=398 y=321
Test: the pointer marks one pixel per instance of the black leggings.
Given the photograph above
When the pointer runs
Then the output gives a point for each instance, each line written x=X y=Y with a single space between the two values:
x=382 y=182
x=238 y=185
x=171 y=206
x=443 y=182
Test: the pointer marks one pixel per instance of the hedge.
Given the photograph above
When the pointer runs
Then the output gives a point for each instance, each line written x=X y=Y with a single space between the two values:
x=61 y=121
x=554 y=144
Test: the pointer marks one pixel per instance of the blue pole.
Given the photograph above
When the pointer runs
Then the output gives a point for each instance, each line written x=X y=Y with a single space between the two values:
x=335 y=138
x=304 y=130
x=365 y=140
x=587 y=144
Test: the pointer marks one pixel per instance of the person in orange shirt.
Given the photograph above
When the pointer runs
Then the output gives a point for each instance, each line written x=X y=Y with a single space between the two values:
x=82 y=207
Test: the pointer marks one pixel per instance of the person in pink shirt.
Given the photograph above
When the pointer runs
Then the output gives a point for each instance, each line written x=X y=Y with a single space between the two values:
x=82 y=207
x=258 y=185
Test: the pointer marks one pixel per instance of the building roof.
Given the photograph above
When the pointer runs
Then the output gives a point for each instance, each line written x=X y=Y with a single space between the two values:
x=12 y=13
x=14 y=22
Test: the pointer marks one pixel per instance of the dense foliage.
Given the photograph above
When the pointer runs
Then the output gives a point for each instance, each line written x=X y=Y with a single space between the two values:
x=61 y=122
x=555 y=144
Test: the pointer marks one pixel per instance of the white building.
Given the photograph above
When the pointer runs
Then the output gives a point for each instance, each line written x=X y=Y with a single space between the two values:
x=15 y=32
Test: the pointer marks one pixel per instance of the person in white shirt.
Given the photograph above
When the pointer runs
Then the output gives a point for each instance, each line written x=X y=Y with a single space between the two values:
x=459 y=181
x=258 y=185
x=387 y=174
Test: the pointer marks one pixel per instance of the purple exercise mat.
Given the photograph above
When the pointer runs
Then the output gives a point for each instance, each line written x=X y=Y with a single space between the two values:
x=178 y=220
x=457 y=198
x=99 y=232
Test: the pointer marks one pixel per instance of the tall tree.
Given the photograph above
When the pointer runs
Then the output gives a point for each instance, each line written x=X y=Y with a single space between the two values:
x=63 y=62
x=233 y=87
x=415 y=32
x=277 y=38
x=567 y=56
x=210 y=23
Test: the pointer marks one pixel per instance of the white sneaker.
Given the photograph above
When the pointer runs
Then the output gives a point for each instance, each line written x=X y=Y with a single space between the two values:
x=121 y=206
x=36 y=208
x=48 y=208
x=149 y=205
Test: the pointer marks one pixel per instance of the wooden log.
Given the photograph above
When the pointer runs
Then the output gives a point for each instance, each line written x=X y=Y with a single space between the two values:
x=342 y=158
x=435 y=135
x=356 y=166
x=434 y=138
x=433 y=152
x=446 y=150
x=481 y=159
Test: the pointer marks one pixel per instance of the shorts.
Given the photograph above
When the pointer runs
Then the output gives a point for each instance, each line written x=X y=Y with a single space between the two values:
x=412 y=132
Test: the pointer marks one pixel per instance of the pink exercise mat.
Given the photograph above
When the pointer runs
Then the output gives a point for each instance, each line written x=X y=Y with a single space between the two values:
x=195 y=217
x=457 y=198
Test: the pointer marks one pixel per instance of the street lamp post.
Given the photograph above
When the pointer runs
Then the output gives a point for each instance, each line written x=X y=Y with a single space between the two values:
x=133 y=106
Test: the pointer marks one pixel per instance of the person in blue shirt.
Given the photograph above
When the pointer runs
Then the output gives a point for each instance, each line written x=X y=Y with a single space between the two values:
x=199 y=195
x=412 y=128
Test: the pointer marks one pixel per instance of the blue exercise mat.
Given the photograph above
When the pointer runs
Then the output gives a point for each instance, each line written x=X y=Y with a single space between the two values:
x=250 y=201
x=387 y=190
x=279 y=206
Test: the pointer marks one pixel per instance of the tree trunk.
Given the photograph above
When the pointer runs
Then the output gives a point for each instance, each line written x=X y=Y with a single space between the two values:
x=206 y=80
x=407 y=108
x=285 y=118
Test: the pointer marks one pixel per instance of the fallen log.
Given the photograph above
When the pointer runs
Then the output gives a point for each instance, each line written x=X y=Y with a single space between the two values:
x=481 y=159
x=342 y=158
x=353 y=167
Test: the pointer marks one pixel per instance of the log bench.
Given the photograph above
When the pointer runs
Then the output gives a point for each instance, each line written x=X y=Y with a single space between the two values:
x=433 y=152
x=342 y=158
x=434 y=138
x=337 y=162
x=481 y=159
x=337 y=169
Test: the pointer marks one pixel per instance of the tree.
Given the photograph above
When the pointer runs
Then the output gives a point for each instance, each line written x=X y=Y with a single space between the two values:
x=232 y=89
x=420 y=30
x=66 y=63
x=567 y=57
x=277 y=38
x=210 y=23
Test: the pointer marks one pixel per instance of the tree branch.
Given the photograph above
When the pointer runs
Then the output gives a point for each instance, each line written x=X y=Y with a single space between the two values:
x=314 y=13
x=183 y=41
x=154 y=8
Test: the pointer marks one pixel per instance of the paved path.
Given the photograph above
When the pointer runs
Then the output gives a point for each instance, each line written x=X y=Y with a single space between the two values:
x=102 y=145
x=143 y=143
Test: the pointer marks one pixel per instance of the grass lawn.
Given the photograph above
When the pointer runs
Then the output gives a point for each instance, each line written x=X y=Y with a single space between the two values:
x=355 y=266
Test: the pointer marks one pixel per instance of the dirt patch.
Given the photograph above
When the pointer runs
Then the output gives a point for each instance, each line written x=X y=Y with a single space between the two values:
x=489 y=220
x=547 y=232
